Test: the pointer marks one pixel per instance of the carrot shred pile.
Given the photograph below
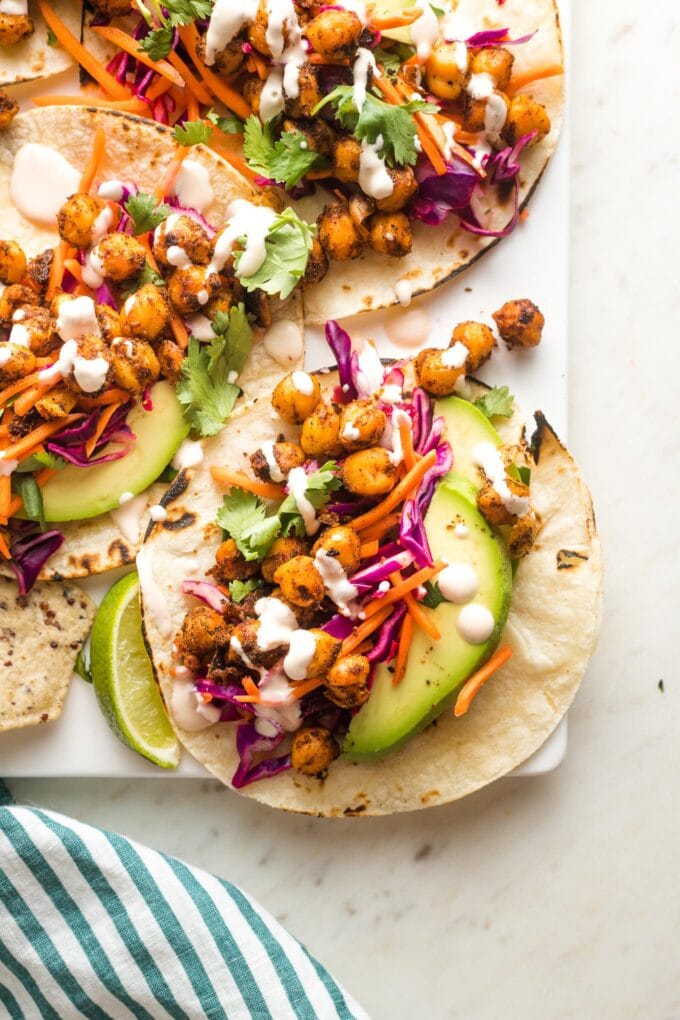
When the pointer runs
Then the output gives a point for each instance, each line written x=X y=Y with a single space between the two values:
x=474 y=684
x=237 y=479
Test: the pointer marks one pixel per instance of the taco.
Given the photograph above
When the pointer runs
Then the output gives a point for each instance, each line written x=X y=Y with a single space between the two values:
x=319 y=646
x=142 y=291
x=413 y=134
x=27 y=48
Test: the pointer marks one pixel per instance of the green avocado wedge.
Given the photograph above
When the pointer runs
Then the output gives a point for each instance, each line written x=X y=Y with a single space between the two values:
x=436 y=669
x=466 y=426
x=74 y=494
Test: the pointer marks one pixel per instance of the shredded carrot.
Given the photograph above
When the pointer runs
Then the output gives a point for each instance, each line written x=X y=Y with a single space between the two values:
x=402 y=652
x=29 y=398
x=125 y=42
x=74 y=268
x=317 y=59
x=364 y=630
x=520 y=81
x=398 y=494
x=428 y=142
x=27 y=444
x=369 y=548
x=416 y=611
x=98 y=150
x=179 y=330
x=62 y=251
x=524 y=215
x=239 y=480
x=229 y=96
x=157 y=89
x=250 y=686
x=4 y=548
x=258 y=65
x=170 y=173
x=113 y=396
x=104 y=419
x=397 y=592
x=472 y=686
x=123 y=105
x=406 y=436
x=306 y=686
x=381 y=528
x=192 y=82
x=193 y=112
x=396 y=20
x=5 y=495
x=44 y=476
x=80 y=54
x=18 y=387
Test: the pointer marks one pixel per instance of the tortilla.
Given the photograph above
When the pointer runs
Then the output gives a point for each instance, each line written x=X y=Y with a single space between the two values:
x=40 y=636
x=552 y=628
x=440 y=253
x=33 y=57
x=137 y=150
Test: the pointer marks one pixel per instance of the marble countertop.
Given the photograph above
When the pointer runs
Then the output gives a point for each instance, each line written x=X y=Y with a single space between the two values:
x=554 y=897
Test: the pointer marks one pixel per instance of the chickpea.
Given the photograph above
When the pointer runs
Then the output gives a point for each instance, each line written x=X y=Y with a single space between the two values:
x=228 y=61
x=180 y=239
x=39 y=325
x=326 y=651
x=12 y=262
x=93 y=356
x=14 y=297
x=300 y=581
x=252 y=93
x=296 y=396
x=244 y=644
x=309 y=94
x=318 y=133
x=39 y=269
x=347 y=681
x=338 y=233
x=479 y=116
x=16 y=362
x=361 y=208
x=257 y=30
x=391 y=234
x=524 y=116
x=14 y=28
x=76 y=218
x=347 y=160
x=202 y=631
x=522 y=535
x=317 y=264
x=447 y=70
x=229 y=295
x=320 y=435
x=56 y=404
x=313 y=750
x=478 y=339
x=369 y=472
x=492 y=507
x=343 y=544
x=282 y=550
x=361 y=424
x=145 y=313
x=119 y=255
x=191 y=287
x=520 y=323
x=433 y=373
x=334 y=34
x=109 y=322
x=405 y=187
x=306 y=616
x=497 y=62
x=170 y=358
x=231 y=565
x=113 y=8
x=270 y=196
x=134 y=363
x=9 y=108
x=286 y=457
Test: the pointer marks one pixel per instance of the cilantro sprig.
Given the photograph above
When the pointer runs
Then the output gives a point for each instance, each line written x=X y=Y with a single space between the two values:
x=287 y=247
x=286 y=159
x=496 y=403
x=163 y=20
x=145 y=212
x=230 y=125
x=192 y=132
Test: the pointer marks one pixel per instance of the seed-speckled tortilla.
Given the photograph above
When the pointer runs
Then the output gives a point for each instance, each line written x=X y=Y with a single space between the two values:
x=33 y=57
x=442 y=252
x=137 y=150
x=552 y=628
x=40 y=636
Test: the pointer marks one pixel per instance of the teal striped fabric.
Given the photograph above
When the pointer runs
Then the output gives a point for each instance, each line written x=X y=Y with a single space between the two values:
x=94 y=925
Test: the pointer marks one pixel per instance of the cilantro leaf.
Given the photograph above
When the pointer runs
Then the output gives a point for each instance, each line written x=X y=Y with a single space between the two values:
x=287 y=247
x=243 y=516
x=192 y=132
x=158 y=42
x=147 y=275
x=50 y=460
x=31 y=495
x=285 y=160
x=394 y=57
x=524 y=474
x=239 y=589
x=207 y=386
x=82 y=666
x=395 y=124
x=145 y=212
x=184 y=12
x=433 y=596
x=497 y=403
x=231 y=124
x=51 y=38
x=320 y=485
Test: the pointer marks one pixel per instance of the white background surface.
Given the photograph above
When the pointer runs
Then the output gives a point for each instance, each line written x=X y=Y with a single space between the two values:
x=538 y=899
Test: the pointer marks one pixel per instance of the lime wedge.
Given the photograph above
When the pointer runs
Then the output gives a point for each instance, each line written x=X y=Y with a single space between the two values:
x=123 y=678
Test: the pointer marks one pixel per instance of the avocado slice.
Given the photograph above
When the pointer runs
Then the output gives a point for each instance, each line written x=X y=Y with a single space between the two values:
x=466 y=426
x=436 y=669
x=73 y=493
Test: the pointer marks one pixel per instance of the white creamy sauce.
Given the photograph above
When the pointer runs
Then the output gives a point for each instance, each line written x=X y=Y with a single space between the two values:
x=5 y=354
x=189 y=454
x=373 y=176
x=192 y=186
x=392 y=393
x=350 y=432
x=297 y=486
x=128 y=516
x=461 y=531
x=232 y=376
x=189 y=710
x=286 y=714
x=489 y=459
x=403 y=291
x=90 y=373
x=201 y=327
x=457 y=27
x=275 y=472
x=337 y=585
x=455 y=356
x=425 y=32
x=283 y=343
x=495 y=113
x=277 y=623
x=300 y=654
x=449 y=128
x=93 y=270
x=14 y=7
x=357 y=7
x=371 y=374
x=20 y=335
x=154 y=598
x=177 y=256
x=226 y=20
x=248 y=225
x=42 y=179
x=102 y=224
x=396 y=447
x=202 y=297
x=303 y=383
x=237 y=647
x=271 y=98
x=126 y=344
x=7 y=466
x=475 y=623
x=480 y=86
x=113 y=191
x=158 y=512
x=408 y=329
x=460 y=55
x=363 y=66
x=458 y=582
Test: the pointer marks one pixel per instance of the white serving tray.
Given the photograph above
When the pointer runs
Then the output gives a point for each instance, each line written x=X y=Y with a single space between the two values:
x=533 y=262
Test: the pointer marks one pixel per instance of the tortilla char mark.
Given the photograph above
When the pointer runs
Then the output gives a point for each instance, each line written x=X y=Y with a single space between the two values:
x=567 y=559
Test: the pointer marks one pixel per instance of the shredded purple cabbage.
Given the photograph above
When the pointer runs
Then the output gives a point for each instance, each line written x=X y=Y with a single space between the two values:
x=440 y=195
x=69 y=442
x=339 y=341
x=207 y=593
x=250 y=743
x=369 y=577
x=386 y=644
x=412 y=525
x=232 y=708
x=105 y=297
x=30 y=554
x=495 y=37
x=339 y=627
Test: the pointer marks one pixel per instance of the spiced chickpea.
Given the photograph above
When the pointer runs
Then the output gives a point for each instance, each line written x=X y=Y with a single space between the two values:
x=300 y=581
x=334 y=34
x=522 y=535
x=231 y=565
x=120 y=256
x=326 y=651
x=317 y=264
x=525 y=116
x=181 y=239
x=369 y=472
x=320 y=435
x=202 y=631
x=478 y=339
x=361 y=424
x=171 y=358
x=438 y=372
x=14 y=297
x=285 y=456
x=134 y=364
x=12 y=262
x=347 y=159
x=313 y=749
x=282 y=550
x=405 y=186
x=318 y=133
x=391 y=234
x=225 y=62
x=109 y=322
x=496 y=61
x=347 y=681
x=14 y=28
x=252 y=93
x=308 y=94
x=245 y=646
x=9 y=108
x=447 y=70
x=77 y=217
x=338 y=233
x=56 y=404
x=343 y=544
x=39 y=326
x=296 y=396
x=113 y=8
x=191 y=288
x=493 y=508
x=91 y=371
x=16 y=362
x=145 y=313
x=520 y=323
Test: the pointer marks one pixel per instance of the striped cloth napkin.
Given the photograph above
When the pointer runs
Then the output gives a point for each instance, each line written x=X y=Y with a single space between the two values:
x=94 y=925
